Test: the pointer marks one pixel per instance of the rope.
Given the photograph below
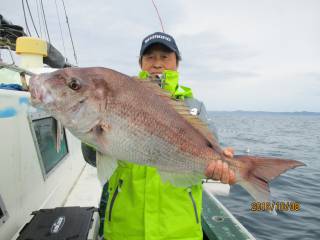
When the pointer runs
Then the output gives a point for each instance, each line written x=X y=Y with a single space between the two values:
x=158 y=15
x=74 y=51
x=34 y=26
x=61 y=35
x=45 y=20
x=39 y=18
x=25 y=18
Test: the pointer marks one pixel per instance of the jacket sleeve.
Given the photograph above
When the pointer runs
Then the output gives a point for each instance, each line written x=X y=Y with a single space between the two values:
x=197 y=107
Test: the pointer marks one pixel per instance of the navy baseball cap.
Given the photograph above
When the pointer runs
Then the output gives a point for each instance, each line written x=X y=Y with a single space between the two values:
x=162 y=38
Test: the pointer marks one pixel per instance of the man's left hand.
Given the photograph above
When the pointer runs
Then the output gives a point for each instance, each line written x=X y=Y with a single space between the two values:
x=218 y=170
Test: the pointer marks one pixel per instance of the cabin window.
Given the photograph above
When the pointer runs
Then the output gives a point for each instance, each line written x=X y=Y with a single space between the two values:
x=45 y=136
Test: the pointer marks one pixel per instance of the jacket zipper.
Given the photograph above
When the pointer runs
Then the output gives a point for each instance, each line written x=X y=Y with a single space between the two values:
x=118 y=189
x=194 y=204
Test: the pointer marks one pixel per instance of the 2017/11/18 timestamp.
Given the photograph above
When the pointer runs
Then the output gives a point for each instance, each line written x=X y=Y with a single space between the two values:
x=282 y=206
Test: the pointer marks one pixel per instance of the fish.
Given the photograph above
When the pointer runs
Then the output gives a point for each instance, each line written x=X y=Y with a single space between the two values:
x=132 y=119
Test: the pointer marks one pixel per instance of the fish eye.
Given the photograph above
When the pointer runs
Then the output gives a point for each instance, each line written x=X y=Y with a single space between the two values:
x=74 y=84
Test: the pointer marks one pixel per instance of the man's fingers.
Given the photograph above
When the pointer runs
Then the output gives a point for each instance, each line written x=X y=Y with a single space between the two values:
x=217 y=171
x=210 y=169
x=232 y=177
x=228 y=152
x=230 y=149
x=225 y=173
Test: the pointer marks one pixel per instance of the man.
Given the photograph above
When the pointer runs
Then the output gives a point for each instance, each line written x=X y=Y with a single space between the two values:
x=158 y=55
x=135 y=203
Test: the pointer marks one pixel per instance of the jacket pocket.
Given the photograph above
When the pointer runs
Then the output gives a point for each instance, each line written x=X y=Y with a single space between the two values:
x=193 y=204
x=113 y=199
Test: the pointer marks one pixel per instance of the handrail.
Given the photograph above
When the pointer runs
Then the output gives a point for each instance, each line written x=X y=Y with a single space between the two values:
x=23 y=72
x=15 y=68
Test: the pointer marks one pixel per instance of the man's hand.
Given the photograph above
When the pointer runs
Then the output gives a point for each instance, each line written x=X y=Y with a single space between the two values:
x=217 y=170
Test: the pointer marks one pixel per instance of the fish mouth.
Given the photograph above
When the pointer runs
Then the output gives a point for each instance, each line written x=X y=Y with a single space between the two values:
x=36 y=92
x=36 y=96
x=42 y=99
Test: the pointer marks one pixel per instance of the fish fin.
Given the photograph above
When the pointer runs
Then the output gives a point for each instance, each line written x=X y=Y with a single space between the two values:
x=152 y=84
x=98 y=132
x=255 y=173
x=59 y=135
x=180 y=179
x=106 y=127
x=106 y=165
x=183 y=110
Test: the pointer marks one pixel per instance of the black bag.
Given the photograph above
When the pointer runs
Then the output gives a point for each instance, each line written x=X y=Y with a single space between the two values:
x=62 y=223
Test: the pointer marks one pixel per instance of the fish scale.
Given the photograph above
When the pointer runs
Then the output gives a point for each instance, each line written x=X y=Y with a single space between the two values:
x=122 y=143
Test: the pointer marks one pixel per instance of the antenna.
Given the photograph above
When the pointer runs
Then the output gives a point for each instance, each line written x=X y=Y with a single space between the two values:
x=158 y=15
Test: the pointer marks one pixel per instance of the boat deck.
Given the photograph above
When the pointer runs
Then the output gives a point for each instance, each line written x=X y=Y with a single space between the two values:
x=219 y=223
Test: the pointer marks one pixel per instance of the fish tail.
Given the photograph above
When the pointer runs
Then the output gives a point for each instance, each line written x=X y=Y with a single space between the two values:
x=255 y=173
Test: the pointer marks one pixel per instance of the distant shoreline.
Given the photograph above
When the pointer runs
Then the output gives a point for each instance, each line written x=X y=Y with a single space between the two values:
x=267 y=112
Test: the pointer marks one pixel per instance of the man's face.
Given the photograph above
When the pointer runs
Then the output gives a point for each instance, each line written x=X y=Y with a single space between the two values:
x=157 y=59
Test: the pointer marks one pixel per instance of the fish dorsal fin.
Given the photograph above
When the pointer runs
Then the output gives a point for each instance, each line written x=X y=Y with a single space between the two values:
x=153 y=84
x=182 y=109
x=106 y=166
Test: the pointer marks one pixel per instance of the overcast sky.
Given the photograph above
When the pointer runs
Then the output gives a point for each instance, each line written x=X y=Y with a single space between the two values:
x=236 y=54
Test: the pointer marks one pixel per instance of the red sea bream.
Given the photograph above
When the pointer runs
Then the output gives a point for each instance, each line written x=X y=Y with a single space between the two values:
x=135 y=120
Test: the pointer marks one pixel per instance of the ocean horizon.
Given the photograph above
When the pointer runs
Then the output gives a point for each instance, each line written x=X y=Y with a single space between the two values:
x=288 y=135
x=267 y=112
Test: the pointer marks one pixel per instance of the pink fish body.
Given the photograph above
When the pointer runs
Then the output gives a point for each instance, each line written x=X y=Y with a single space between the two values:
x=134 y=120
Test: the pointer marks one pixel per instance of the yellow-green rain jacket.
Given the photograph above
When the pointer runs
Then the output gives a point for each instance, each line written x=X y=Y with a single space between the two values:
x=137 y=205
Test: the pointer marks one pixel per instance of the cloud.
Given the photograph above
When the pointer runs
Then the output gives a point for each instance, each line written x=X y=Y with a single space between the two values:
x=208 y=57
x=315 y=76
x=213 y=46
x=240 y=56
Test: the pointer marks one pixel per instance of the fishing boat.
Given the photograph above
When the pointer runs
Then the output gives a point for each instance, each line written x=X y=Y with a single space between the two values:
x=43 y=175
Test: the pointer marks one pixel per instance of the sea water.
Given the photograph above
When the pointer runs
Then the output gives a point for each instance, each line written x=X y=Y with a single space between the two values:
x=284 y=135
